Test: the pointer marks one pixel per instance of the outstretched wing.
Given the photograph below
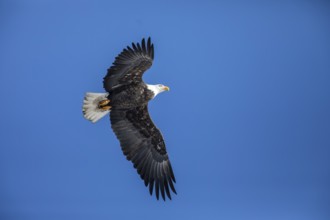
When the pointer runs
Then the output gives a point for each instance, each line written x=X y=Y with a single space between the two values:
x=143 y=144
x=129 y=65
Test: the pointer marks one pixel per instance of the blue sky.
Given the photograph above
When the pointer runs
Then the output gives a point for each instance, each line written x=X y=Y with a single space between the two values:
x=246 y=122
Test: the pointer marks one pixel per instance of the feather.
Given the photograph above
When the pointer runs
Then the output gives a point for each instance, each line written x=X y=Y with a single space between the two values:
x=139 y=48
x=161 y=186
x=167 y=190
x=157 y=189
x=151 y=186
x=144 y=50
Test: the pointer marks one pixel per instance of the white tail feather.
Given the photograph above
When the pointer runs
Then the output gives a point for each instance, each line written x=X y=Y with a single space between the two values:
x=91 y=110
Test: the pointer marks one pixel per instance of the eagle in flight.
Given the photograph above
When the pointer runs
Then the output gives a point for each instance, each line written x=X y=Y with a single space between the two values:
x=126 y=99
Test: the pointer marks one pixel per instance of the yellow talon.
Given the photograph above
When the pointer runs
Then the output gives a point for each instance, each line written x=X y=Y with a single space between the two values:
x=104 y=102
x=106 y=108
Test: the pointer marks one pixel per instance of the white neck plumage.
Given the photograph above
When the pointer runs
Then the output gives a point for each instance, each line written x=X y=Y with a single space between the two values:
x=156 y=89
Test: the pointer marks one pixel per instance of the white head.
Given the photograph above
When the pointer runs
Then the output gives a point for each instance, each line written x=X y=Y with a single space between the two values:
x=158 y=88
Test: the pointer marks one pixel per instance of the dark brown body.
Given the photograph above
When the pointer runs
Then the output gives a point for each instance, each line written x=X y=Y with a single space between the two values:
x=131 y=96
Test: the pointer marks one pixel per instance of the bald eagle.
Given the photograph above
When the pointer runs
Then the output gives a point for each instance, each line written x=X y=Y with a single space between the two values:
x=126 y=99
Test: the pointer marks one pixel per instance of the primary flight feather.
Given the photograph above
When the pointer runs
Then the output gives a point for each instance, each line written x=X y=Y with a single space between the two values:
x=127 y=100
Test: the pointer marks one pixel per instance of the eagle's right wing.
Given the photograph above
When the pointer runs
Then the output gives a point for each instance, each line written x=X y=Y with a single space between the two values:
x=143 y=144
x=129 y=65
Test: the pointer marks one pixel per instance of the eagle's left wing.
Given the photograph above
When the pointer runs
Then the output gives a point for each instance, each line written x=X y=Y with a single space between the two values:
x=143 y=144
x=129 y=65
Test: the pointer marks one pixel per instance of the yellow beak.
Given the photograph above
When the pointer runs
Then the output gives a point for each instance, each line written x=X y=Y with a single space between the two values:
x=166 y=88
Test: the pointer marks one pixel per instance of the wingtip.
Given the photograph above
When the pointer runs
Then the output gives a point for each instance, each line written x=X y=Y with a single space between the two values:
x=139 y=47
x=134 y=46
x=152 y=51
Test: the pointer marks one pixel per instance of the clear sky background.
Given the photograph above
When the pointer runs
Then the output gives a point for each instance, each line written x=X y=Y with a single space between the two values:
x=247 y=120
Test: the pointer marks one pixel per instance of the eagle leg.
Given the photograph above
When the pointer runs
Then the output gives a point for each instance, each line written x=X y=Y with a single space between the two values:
x=104 y=105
